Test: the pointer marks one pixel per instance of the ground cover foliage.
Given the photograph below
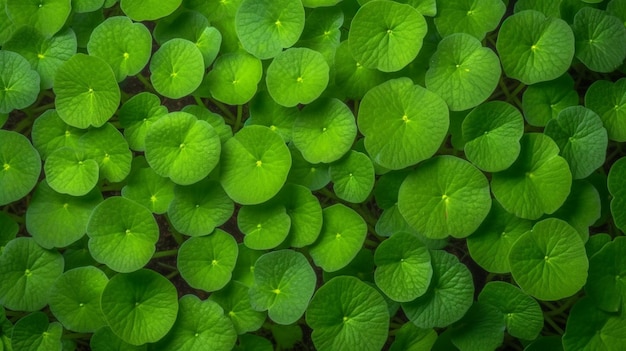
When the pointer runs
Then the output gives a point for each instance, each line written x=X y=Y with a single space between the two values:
x=312 y=174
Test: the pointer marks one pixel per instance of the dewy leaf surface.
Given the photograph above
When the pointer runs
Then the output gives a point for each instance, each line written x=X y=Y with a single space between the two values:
x=346 y=313
x=403 y=123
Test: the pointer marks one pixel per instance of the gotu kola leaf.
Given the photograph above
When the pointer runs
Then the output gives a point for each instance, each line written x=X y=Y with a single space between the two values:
x=589 y=328
x=605 y=285
x=474 y=17
x=177 y=68
x=34 y=333
x=600 y=39
x=608 y=100
x=20 y=166
x=19 y=83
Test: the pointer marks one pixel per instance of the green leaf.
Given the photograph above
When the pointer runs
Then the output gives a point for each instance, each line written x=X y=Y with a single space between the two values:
x=19 y=84
x=463 y=72
x=137 y=115
x=27 y=271
x=386 y=35
x=534 y=48
x=595 y=243
x=58 y=220
x=122 y=234
x=124 y=45
x=251 y=342
x=342 y=236
x=347 y=314
x=9 y=229
x=549 y=261
x=224 y=130
x=490 y=245
x=47 y=19
x=266 y=112
x=20 y=166
x=305 y=212
x=182 y=148
x=107 y=146
x=244 y=269
x=473 y=17
x=543 y=101
x=608 y=100
x=600 y=39
x=147 y=10
x=617 y=188
x=538 y=182
x=254 y=165
x=81 y=6
x=234 y=77
x=70 y=171
x=550 y=8
x=283 y=285
x=265 y=226
x=589 y=328
x=324 y=131
x=149 y=189
x=45 y=54
x=34 y=333
x=50 y=133
x=86 y=91
x=266 y=27
x=75 y=299
x=445 y=196
x=605 y=285
x=177 y=68
x=412 y=338
x=492 y=132
x=312 y=176
x=403 y=268
x=235 y=301
x=207 y=262
x=352 y=79
x=199 y=325
x=322 y=31
x=448 y=297
x=105 y=340
x=482 y=328
x=522 y=314
x=353 y=177
x=140 y=307
x=297 y=76
x=403 y=123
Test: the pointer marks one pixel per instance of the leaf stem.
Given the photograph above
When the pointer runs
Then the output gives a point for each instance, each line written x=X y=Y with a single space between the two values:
x=549 y=320
x=165 y=253
x=224 y=110
x=145 y=82
x=239 y=118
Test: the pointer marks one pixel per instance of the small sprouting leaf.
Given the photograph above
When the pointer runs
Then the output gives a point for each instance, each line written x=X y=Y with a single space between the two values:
x=403 y=267
x=549 y=262
x=448 y=297
x=45 y=54
x=20 y=166
x=353 y=177
x=47 y=19
x=582 y=139
x=50 y=133
x=342 y=236
x=107 y=146
x=265 y=226
x=122 y=234
x=19 y=83
x=475 y=17
x=140 y=307
x=177 y=68
x=124 y=45
x=600 y=39
x=608 y=100
x=463 y=72
x=403 y=123
x=522 y=314
x=538 y=182
x=198 y=208
x=58 y=220
x=75 y=299
x=490 y=245
x=297 y=76
x=266 y=27
x=235 y=301
x=207 y=262
x=491 y=133
x=324 y=131
x=200 y=325
x=284 y=282
x=534 y=48
x=137 y=115
x=445 y=196
x=590 y=328
x=87 y=93
x=346 y=313
x=386 y=35
x=183 y=148
x=34 y=333
x=605 y=285
x=254 y=165
x=149 y=189
x=70 y=171
x=148 y=10
x=27 y=272
x=234 y=77
x=543 y=101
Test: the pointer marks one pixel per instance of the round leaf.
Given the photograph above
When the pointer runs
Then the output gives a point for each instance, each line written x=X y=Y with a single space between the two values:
x=346 y=313
x=19 y=83
x=605 y=285
x=265 y=111
x=617 y=188
x=549 y=262
x=20 y=166
x=265 y=226
x=305 y=213
x=147 y=10
x=140 y=307
x=352 y=79
x=177 y=68
x=47 y=19
x=105 y=340
x=34 y=333
x=608 y=100
x=234 y=78
x=149 y=189
x=599 y=39
x=589 y=328
x=70 y=171
x=137 y=115
x=473 y=17
x=50 y=133
x=235 y=301
x=543 y=101
x=482 y=328
x=107 y=146
x=353 y=177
